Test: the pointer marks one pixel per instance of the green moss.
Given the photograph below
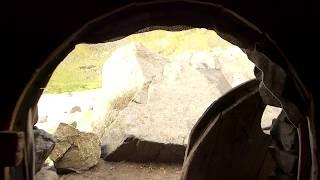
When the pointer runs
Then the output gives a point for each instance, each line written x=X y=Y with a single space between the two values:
x=80 y=70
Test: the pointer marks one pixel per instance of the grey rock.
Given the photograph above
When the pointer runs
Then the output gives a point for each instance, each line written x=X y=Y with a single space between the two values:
x=65 y=131
x=132 y=83
x=160 y=100
x=44 y=144
x=154 y=126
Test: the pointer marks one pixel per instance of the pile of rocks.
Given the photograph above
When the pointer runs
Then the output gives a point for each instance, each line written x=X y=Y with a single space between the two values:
x=75 y=151
x=69 y=149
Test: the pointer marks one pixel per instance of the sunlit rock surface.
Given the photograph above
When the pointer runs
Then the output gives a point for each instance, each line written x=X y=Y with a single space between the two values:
x=75 y=151
x=166 y=99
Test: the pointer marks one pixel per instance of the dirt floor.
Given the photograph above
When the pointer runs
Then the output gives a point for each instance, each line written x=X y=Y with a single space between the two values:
x=127 y=171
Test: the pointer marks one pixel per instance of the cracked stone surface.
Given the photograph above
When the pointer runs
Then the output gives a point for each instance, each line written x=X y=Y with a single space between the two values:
x=166 y=100
x=75 y=151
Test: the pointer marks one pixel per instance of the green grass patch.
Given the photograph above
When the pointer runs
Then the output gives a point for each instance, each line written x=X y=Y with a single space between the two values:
x=82 y=68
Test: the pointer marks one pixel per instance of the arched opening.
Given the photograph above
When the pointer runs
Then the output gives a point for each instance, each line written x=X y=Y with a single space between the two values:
x=100 y=88
x=249 y=44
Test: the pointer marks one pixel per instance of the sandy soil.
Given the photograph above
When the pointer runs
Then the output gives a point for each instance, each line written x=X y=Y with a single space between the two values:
x=127 y=171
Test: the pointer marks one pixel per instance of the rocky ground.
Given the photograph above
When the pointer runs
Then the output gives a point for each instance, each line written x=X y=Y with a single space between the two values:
x=127 y=170
x=119 y=171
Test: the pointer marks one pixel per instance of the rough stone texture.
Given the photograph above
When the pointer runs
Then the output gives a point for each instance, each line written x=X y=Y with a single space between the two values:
x=64 y=132
x=168 y=98
x=60 y=149
x=44 y=144
x=75 y=150
x=234 y=64
x=46 y=174
x=130 y=69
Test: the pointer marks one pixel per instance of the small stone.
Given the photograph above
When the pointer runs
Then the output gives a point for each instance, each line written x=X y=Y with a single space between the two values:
x=75 y=109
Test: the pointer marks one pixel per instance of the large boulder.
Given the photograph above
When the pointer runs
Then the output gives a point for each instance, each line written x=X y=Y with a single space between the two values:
x=44 y=144
x=234 y=64
x=75 y=151
x=129 y=69
x=166 y=99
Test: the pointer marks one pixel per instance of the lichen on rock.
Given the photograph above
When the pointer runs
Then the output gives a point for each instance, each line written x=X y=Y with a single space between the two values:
x=75 y=151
